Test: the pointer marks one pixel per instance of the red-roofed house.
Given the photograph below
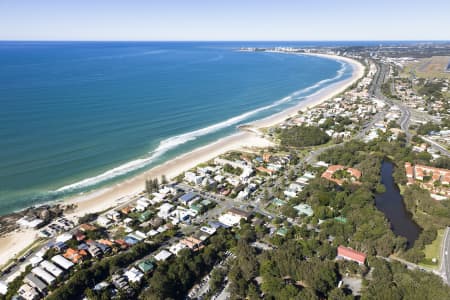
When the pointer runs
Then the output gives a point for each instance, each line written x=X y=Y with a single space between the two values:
x=192 y=243
x=79 y=236
x=355 y=174
x=350 y=254
x=265 y=170
x=409 y=170
x=87 y=227
x=435 y=180
x=106 y=242
x=75 y=256
x=121 y=243
x=266 y=157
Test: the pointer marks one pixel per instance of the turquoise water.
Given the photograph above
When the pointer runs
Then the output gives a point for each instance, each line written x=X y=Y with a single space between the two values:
x=76 y=116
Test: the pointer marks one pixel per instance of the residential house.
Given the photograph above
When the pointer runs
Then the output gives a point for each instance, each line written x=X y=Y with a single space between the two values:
x=350 y=254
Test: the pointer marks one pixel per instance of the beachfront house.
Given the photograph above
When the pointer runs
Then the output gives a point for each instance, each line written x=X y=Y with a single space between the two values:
x=103 y=221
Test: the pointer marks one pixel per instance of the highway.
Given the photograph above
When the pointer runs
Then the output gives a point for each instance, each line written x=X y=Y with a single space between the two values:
x=436 y=146
x=445 y=258
x=375 y=91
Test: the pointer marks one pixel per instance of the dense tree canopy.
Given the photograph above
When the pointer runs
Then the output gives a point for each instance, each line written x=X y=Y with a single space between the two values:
x=303 y=136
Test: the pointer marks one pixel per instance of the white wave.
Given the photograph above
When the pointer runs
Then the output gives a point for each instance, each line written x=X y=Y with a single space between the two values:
x=175 y=141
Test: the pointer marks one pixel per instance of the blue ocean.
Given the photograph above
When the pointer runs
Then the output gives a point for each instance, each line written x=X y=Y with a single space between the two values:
x=76 y=116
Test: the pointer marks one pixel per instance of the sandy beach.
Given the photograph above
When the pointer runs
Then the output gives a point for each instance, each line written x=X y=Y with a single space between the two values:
x=108 y=197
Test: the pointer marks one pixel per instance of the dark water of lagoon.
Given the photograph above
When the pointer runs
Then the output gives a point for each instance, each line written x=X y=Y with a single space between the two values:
x=391 y=204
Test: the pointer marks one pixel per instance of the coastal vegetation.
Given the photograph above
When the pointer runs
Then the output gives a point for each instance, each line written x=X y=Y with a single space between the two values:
x=276 y=232
x=431 y=215
x=408 y=284
x=302 y=136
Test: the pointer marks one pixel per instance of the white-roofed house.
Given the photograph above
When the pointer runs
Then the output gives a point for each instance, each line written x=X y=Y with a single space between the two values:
x=44 y=275
x=163 y=255
x=134 y=275
x=51 y=268
x=62 y=262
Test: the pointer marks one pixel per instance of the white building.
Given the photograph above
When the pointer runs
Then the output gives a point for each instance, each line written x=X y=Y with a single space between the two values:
x=103 y=221
x=177 y=248
x=164 y=210
x=51 y=268
x=3 y=288
x=36 y=260
x=44 y=275
x=28 y=293
x=193 y=178
x=142 y=204
x=229 y=219
x=208 y=230
x=134 y=275
x=163 y=255
x=64 y=237
x=27 y=222
x=62 y=262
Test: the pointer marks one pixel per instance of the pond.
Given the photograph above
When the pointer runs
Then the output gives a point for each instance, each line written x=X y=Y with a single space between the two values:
x=392 y=205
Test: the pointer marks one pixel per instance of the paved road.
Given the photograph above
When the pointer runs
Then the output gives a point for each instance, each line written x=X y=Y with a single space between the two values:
x=226 y=203
x=436 y=146
x=445 y=258
x=409 y=265
x=376 y=92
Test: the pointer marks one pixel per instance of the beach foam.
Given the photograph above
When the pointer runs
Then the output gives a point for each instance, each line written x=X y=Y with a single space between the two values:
x=175 y=141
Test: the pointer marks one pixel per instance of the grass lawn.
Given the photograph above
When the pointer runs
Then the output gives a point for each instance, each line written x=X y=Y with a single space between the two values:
x=433 y=250
x=429 y=67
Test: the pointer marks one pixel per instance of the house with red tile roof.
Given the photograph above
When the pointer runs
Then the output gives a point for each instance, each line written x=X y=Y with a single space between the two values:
x=192 y=243
x=351 y=254
x=435 y=180
x=127 y=210
x=87 y=227
x=121 y=243
x=106 y=242
x=76 y=256
x=354 y=174
x=79 y=236
x=265 y=170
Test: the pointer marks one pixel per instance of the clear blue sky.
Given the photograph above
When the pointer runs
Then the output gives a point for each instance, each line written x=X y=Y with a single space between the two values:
x=225 y=20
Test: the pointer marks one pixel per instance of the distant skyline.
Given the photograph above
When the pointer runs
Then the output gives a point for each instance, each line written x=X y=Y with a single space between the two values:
x=231 y=20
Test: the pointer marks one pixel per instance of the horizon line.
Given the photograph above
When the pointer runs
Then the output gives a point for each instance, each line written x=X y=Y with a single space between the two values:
x=187 y=41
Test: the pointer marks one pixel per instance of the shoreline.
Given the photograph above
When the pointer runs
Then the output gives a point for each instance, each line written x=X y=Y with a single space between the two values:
x=109 y=197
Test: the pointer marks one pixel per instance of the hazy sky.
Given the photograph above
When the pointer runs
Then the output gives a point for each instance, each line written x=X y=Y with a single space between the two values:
x=225 y=20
